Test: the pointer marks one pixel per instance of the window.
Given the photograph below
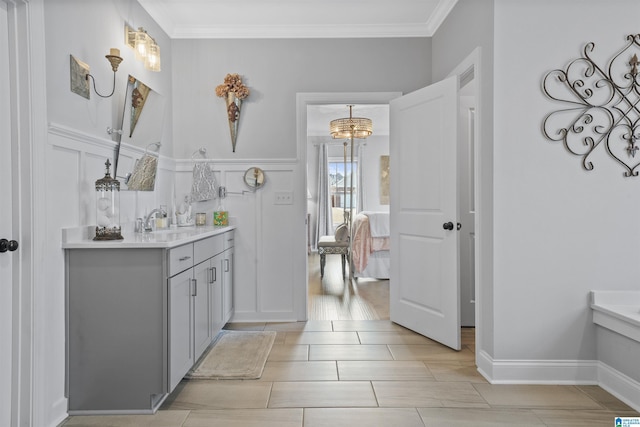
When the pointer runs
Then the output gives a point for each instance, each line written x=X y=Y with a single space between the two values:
x=340 y=198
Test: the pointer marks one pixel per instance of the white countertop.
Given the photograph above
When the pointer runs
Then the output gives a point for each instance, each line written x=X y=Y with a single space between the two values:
x=82 y=237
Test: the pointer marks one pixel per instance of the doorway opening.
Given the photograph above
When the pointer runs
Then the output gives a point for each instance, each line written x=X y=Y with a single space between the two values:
x=337 y=185
x=467 y=148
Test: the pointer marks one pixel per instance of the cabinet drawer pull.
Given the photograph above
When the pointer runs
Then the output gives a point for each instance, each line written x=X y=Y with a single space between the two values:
x=184 y=258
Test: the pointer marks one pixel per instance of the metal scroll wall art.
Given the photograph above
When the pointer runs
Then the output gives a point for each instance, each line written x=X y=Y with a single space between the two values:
x=603 y=106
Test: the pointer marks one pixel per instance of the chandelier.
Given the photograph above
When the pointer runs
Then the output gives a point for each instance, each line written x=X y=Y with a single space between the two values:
x=351 y=127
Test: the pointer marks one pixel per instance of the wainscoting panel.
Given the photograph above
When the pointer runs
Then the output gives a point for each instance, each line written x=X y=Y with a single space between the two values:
x=264 y=239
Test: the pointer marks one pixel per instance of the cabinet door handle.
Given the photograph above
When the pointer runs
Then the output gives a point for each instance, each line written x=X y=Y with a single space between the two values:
x=226 y=264
x=214 y=274
x=184 y=258
x=195 y=287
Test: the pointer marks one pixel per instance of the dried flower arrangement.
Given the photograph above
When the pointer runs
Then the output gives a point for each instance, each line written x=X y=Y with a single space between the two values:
x=234 y=91
x=232 y=83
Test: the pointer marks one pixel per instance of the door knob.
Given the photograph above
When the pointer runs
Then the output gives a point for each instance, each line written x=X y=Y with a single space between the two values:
x=448 y=225
x=8 y=245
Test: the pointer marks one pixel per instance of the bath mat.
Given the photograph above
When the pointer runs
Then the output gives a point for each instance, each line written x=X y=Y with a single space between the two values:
x=235 y=355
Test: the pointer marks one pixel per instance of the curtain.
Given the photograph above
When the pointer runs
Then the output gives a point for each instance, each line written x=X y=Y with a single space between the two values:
x=325 y=221
x=360 y=179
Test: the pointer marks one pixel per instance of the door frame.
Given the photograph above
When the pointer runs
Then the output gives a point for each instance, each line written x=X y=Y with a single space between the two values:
x=473 y=63
x=302 y=101
x=29 y=137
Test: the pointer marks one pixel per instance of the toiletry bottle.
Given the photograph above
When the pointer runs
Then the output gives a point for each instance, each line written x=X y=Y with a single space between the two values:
x=221 y=216
x=161 y=218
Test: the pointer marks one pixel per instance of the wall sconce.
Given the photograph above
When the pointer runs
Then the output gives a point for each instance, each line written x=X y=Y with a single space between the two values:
x=80 y=75
x=145 y=47
x=114 y=59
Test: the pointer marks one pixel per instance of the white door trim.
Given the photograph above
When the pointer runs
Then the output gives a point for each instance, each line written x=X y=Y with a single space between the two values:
x=28 y=76
x=474 y=61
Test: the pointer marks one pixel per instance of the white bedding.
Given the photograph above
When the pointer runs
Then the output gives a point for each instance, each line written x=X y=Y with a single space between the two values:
x=378 y=223
x=378 y=266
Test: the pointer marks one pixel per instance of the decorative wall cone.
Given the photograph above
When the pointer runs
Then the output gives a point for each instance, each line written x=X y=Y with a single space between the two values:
x=233 y=114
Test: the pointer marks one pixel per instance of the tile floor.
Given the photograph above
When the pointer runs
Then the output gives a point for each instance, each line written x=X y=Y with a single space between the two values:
x=359 y=369
x=369 y=373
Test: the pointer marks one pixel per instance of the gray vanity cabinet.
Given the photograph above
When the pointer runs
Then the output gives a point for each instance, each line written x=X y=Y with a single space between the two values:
x=138 y=319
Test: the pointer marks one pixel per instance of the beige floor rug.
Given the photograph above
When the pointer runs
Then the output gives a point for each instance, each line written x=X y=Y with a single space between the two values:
x=235 y=355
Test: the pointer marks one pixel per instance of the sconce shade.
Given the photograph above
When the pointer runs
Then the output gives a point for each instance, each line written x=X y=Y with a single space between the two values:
x=141 y=44
x=114 y=59
x=152 y=61
x=356 y=127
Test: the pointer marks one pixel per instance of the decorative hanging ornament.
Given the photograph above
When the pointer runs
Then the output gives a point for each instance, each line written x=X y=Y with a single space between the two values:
x=234 y=91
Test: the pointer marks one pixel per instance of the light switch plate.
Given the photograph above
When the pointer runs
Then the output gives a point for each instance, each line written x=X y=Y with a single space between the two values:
x=284 y=198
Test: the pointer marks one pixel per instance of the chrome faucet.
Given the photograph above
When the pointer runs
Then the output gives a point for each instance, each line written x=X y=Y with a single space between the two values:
x=146 y=225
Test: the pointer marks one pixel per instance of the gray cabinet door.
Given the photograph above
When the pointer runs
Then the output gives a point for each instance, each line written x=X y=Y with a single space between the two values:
x=202 y=330
x=216 y=313
x=227 y=291
x=181 y=357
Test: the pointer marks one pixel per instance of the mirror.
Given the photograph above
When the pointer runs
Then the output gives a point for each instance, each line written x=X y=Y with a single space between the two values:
x=254 y=178
x=140 y=137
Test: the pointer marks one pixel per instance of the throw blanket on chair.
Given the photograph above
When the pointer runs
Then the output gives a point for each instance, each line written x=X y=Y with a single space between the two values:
x=364 y=243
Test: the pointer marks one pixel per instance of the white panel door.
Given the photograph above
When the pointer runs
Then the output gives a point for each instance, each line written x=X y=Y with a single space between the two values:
x=424 y=282
x=6 y=225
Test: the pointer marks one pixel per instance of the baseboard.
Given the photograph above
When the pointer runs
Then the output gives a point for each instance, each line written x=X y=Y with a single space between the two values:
x=620 y=385
x=59 y=412
x=537 y=371
x=563 y=372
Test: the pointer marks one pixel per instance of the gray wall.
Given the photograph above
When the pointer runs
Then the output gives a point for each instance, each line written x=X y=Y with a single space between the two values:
x=559 y=230
x=275 y=70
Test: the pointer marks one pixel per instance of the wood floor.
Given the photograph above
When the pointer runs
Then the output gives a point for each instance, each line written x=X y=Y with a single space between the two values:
x=336 y=298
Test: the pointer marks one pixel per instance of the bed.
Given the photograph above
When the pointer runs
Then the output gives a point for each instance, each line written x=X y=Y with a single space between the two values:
x=370 y=247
